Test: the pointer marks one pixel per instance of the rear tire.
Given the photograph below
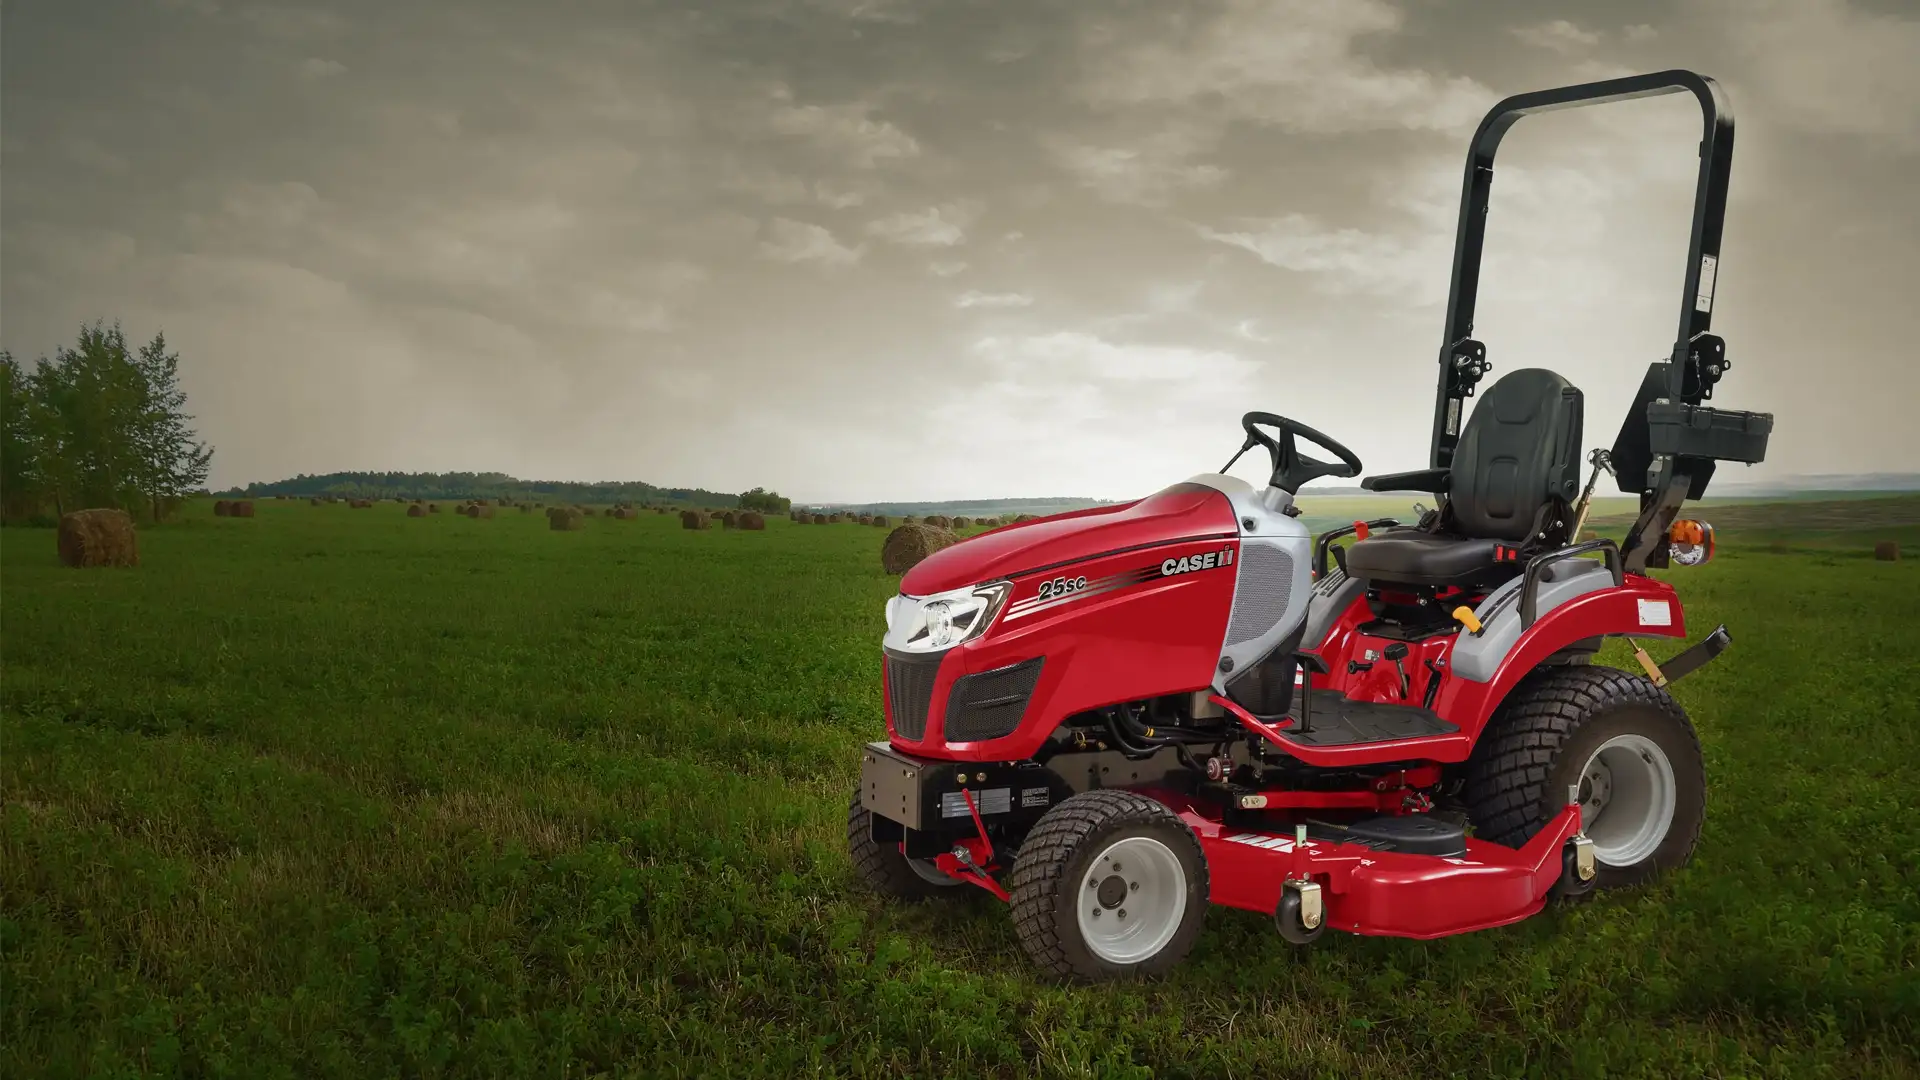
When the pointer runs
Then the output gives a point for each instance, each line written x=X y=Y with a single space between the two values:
x=884 y=869
x=1624 y=741
x=1109 y=885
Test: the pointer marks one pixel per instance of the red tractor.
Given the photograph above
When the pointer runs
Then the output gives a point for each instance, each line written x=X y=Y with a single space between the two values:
x=1111 y=718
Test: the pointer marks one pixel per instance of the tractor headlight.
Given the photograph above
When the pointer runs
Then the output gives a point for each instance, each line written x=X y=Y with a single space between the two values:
x=943 y=620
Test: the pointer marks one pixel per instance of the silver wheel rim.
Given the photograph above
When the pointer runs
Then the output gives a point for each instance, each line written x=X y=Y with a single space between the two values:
x=1131 y=900
x=1627 y=795
x=932 y=874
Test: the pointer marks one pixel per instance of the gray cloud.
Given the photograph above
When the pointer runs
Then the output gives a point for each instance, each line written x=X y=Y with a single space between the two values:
x=760 y=242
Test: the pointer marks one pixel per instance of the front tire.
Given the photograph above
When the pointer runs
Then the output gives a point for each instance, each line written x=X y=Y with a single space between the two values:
x=1627 y=745
x=1109 y=885
x=884 y=869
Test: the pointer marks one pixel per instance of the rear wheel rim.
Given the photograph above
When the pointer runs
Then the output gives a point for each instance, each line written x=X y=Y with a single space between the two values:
x=1627 y=799
x=1131 y=900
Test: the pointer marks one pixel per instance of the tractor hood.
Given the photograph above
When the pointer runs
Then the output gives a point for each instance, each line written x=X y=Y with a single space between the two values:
x=1185 y=511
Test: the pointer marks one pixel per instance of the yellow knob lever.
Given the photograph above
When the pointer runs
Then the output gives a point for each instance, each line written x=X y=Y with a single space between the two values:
x=1467 y=618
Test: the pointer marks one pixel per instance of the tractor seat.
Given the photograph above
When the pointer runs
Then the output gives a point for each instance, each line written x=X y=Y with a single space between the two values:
x=1421 y=558
x=1519 y=454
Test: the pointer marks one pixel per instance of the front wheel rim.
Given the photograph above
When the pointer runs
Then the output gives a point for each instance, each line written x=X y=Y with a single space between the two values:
x=1627 y=799
x=1131 y=900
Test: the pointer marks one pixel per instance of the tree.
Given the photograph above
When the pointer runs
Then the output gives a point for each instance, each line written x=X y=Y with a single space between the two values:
x=171 y=462
x=768 y=502
x=96 y=425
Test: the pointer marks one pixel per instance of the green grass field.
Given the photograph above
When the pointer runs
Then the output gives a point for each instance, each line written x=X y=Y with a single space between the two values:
x=334 y=792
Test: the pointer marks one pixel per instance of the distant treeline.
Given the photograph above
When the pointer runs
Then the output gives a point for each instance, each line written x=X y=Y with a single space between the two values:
x=967 y=507
x=493 y=485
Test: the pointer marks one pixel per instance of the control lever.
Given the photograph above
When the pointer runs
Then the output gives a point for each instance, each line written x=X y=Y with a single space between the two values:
x=1397 y=652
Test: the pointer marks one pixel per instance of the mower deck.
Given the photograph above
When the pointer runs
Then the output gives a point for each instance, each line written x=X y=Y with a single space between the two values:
x=1382 y=892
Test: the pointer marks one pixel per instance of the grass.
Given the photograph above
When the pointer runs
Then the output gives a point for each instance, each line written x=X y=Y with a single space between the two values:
x=335 y=792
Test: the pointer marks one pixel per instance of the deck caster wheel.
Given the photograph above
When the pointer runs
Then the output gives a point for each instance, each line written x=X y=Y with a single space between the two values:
x=1301 y=915
x=1579 y=870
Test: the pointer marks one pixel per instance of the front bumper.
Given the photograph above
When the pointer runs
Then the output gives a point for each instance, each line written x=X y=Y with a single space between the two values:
x=925 y=802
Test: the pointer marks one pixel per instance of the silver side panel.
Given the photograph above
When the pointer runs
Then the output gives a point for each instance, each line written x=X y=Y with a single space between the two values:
x=1332 y=595
x=1477 y=657
x=1272 y=585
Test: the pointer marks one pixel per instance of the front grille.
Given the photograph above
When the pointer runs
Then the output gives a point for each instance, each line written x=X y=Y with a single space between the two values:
x=910 y=693
x=1266 y=586
x=990 y=704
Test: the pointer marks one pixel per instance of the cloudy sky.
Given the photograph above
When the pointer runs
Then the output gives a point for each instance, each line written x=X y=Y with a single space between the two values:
x=889 y=249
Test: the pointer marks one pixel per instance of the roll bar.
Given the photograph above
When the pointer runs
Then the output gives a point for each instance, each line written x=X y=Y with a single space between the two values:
x=1462 y=359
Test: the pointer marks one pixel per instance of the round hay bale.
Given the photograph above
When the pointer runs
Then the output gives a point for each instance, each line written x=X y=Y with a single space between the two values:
x=98 y=538
x=479 y=510
x=909 y=520
x=908 y=544
x=865 y=519
x=1887 y=551
x=525 y=509
x=416 y=510
x=730 y=520
x=315 y=501
x=693 y=519
x=566 y=519
x=1588 y=534
x=960 y=523
x=834 y=519
x=879 y=520
x=750 y=521
x=223 y=508
x=240 y=508
x=360 y=504
x=659 y=509
x=819 y=519
x=938 y=521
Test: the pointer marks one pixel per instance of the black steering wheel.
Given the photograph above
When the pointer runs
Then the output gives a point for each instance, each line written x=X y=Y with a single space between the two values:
x=1291 y=468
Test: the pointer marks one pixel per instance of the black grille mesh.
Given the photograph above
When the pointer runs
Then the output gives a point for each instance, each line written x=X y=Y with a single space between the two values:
x=910 y=694
x=990 y=704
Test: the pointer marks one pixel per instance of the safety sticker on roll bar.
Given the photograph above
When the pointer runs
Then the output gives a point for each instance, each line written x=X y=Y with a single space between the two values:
x=1704 y=301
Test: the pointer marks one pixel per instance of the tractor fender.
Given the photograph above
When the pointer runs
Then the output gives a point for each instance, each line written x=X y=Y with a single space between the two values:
x=1641 y=606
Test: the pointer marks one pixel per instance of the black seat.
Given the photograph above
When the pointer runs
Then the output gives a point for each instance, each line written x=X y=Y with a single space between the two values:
x=1515 y=470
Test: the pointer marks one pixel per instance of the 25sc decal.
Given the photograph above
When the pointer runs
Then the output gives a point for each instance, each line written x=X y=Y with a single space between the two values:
x=1061 y=586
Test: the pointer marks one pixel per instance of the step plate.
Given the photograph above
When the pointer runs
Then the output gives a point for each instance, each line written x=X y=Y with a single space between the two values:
x=1340 y=721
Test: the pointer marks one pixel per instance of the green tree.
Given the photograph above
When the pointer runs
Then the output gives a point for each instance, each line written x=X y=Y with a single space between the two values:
x=769 y=502
x=21 y=483
x=171 y=462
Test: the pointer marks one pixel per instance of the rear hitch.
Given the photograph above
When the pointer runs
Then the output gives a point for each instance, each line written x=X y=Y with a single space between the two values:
x=1694 y=658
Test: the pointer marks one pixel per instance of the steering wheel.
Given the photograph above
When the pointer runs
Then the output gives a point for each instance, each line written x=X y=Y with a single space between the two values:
x=1291 y=468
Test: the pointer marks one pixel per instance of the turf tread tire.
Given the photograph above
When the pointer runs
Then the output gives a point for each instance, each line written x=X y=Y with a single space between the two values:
x=1073 y=829
x=881 y=867
x=1509 y=791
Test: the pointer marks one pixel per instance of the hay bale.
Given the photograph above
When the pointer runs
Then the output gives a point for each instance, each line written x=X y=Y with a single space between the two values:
x=909 y=520
x=693 y=519
x=416 y=510
x=525 y=509
x=223 y=508
x=834 y=519
x=750 y=521
x=315 y=501
x=960 y=523
x=1887 y=551
x=240 y=508
x=566 y=519
x=659 y=509
x=819 y=519
x=479 y=510
x=865 y=519
x=98 y=538
x=433 y=508
x=360 y=504
x=730 y=520
x=879 y=520
x=908 y=544
x=938 y=521
x=1588 y=534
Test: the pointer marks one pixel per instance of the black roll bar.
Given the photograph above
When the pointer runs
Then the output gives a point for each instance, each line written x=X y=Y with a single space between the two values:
x=1463 y=360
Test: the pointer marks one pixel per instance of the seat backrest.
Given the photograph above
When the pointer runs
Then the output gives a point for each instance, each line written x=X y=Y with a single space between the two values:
x=1520 y=448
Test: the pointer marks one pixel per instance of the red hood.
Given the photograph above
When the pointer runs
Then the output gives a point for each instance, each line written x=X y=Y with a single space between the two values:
x=1183 y=511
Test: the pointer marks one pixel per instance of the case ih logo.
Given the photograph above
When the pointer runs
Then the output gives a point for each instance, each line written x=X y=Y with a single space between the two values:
x=1187 y=564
